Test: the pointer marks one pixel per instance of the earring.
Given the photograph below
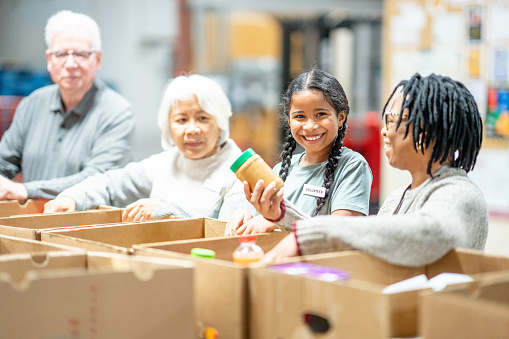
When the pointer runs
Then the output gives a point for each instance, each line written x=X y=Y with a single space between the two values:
x=340 y=128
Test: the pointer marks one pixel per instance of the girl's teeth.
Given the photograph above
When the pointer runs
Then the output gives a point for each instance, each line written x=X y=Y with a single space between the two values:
x=316 y=137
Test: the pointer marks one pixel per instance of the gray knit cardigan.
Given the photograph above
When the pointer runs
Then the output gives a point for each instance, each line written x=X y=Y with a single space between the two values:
x=447 y=212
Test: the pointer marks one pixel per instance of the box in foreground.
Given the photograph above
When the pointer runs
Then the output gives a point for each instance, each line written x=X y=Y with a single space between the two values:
x=290 y=306
x=220 y=285
x=478 y=311
x=97 y=295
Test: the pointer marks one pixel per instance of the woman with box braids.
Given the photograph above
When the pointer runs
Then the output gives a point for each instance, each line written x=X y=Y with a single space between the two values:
x=326 y=178
x=439 y=105
x=432 y=130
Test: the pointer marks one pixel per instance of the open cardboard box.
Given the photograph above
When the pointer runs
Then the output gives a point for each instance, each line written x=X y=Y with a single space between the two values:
x=30 y=226
x=283 y=304
x=96 y=295
x=220 y=285
x=119 y=238
x=13 y=245
x=14 y=207
x=477 y=311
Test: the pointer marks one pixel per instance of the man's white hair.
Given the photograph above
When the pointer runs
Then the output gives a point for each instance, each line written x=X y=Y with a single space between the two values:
x=65 y=20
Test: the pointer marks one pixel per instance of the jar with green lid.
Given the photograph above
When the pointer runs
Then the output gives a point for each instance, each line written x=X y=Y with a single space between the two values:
x=202 y=253
x=251 y=167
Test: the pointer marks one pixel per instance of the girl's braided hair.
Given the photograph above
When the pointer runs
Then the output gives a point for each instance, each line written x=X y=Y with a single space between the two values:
x=335 y=95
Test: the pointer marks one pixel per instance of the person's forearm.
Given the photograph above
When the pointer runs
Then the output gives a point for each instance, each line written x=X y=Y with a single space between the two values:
x=291 y=213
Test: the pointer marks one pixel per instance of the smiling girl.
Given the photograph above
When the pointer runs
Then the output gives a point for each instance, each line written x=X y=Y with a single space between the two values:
x=326 y=178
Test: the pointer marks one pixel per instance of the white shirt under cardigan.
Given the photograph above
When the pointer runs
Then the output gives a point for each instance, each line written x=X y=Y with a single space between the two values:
x=445 y=212
x=187 y=188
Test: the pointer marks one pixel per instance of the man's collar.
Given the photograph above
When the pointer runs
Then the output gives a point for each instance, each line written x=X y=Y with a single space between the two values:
x=83 y=106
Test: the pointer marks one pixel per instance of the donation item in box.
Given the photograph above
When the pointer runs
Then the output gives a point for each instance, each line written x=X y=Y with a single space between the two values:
x=220 y=285
x=477 y=311
x=292 y=306
x=30 y=226
x=96 y=295
x=119 y=238
x=14 y=207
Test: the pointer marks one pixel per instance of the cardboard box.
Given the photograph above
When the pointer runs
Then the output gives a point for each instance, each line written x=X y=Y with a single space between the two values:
x=14 y=207
x=220 y=285
x=97 y=295
x=13 y=245
x=119 y=238
x=30 y=226
x=478 y=311
x=282 y=304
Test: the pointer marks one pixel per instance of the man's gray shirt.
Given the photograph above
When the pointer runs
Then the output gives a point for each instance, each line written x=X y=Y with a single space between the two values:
x=55 y=150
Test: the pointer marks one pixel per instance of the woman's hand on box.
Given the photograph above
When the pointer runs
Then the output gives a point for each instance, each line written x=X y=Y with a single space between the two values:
x=61 y=204
x=140 y=210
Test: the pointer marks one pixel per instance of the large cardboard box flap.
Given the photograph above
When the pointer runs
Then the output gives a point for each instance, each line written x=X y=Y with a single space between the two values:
x=348 y=306
x=220 y=285
x=30 y=225
x=119 y=238
x=107 y=296
x=13 y=245
x=14 y=207
x=477 y=311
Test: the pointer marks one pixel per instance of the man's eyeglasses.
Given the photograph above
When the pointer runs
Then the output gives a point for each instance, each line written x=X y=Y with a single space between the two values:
x=60 y=57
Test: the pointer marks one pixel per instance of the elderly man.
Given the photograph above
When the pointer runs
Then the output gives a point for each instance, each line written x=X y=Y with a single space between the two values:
x=66 y=132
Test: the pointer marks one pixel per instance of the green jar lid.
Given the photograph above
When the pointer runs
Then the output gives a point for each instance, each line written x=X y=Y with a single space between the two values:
x=240 y=160
x=202 y=253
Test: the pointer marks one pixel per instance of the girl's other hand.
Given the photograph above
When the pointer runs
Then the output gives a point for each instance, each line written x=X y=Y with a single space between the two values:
x=237 y=219
x=256 y=225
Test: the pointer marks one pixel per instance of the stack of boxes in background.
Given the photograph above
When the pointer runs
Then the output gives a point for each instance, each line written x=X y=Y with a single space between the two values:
x=88 y=274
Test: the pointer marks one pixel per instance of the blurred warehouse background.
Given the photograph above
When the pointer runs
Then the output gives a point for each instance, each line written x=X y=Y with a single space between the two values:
x=254 y=48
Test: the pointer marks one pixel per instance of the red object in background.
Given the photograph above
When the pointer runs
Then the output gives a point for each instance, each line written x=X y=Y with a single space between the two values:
x=363 y=136
x=8 y=104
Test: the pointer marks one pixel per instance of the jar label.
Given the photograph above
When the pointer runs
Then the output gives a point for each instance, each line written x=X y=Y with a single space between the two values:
x=315 y=191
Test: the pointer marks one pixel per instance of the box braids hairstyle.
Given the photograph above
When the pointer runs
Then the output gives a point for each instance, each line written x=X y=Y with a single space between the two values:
x=443 y=113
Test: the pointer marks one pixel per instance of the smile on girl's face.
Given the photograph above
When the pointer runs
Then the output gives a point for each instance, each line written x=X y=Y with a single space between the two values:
x=314 y=124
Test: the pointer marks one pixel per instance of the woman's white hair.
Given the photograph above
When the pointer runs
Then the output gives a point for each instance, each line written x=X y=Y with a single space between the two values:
x=211 y=99
x=64 y=20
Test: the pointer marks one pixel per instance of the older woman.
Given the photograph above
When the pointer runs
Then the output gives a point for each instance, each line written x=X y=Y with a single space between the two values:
x=433 y=130
x=191 y=178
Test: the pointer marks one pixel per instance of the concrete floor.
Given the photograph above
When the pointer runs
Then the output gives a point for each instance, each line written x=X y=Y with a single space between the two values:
x=498 y=237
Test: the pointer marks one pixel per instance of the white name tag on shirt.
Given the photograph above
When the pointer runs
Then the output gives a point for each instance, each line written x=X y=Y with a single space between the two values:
x=315 y=191
x=214 y=186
